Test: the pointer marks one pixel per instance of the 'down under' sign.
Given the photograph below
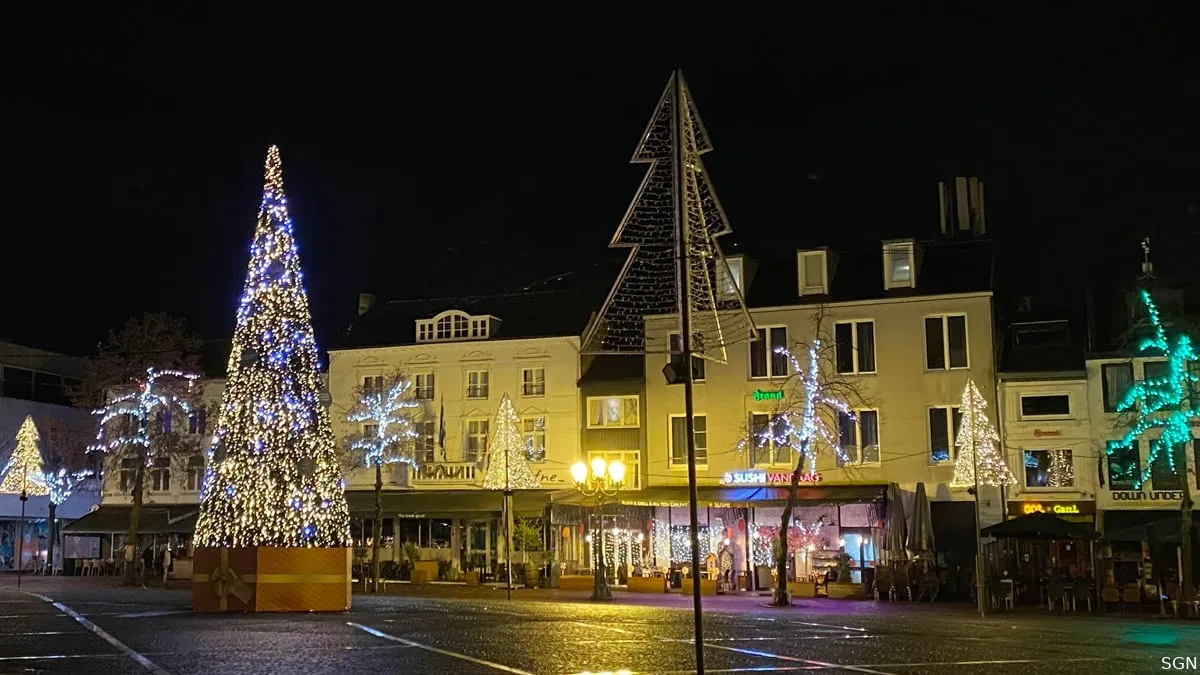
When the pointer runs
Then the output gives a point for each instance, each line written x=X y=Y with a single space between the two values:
x=760 y=395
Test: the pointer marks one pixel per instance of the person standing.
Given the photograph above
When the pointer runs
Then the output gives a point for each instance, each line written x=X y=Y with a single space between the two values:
x=165 y=561
x=147 y=564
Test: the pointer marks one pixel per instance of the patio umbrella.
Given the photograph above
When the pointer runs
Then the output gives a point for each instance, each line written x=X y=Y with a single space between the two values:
x=1039 y=526
x=897 y=524
x=920 y=537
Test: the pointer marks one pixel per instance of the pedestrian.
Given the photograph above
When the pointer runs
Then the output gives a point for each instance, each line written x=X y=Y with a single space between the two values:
x=165 y=561
x=147 y=564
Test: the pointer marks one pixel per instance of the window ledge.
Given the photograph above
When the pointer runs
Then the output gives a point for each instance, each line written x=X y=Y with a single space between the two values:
x=683 y=467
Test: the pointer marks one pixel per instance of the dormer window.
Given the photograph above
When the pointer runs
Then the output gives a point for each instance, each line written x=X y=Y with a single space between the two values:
x=813 y=269
x=731 y=282
x=453 y=325
x=899 y=264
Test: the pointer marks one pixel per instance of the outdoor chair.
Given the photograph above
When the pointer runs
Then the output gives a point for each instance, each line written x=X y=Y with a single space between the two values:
x=1081 y=593
x=1170 y=595
x=1131 y=594
x=929 y=586
x=884 y=584
x=1109 y=595
x=1055 y=592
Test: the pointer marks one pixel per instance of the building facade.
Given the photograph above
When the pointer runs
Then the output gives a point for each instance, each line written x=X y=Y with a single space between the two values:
x=904 y=328
x=462 y=359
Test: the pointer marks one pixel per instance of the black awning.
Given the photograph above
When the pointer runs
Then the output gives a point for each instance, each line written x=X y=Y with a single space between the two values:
x=1165 y=530
x=151 y=520
x=1039 y=526
x=438 y=503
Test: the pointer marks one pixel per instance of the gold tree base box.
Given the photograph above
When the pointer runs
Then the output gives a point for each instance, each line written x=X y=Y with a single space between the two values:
x=267 y=579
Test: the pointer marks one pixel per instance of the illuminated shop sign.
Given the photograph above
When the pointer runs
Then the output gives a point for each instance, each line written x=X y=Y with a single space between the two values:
x=760 y=395
x=761 y=477
x=1151 y=496
x=1035 y=507
x=1054 y=508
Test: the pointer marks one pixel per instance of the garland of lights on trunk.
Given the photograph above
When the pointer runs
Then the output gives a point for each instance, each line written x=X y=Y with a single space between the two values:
x=273 y=477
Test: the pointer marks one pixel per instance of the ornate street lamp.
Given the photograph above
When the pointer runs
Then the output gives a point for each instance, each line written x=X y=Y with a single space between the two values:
x=599 y=485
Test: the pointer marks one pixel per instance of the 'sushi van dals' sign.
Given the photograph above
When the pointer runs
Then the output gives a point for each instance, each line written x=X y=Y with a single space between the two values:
x=760 y=477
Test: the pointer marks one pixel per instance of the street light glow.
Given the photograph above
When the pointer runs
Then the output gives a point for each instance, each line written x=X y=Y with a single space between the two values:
x=616 y=471
x=598 y=468
x=579 y=472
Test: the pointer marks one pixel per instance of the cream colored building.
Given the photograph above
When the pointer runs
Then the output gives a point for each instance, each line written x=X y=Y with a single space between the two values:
x=462 y=359
x=1046 y=421
x=904 y=326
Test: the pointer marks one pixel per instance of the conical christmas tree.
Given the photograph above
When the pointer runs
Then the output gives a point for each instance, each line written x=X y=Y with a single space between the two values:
x=977 y=436
x=675 y=202
x=25 y=470
x=274 y=478
x=508 y=463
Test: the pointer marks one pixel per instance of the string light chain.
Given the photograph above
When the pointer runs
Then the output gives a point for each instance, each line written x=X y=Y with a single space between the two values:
x=391 y=411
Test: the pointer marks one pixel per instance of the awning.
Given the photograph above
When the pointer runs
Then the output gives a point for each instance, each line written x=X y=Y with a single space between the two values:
x=1166 y=530
x=151 y=520
x=677 y=495
x=447 y=503
x=1039 y=526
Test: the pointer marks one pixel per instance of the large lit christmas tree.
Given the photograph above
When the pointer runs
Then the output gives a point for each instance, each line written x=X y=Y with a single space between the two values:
x=978 y=438
x=273 y=479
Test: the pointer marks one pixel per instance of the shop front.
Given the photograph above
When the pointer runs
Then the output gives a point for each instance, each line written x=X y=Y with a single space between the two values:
x=647 y=533
x=1130 y=559
x=95 y=543
x=462 y=530
x=1032 y=552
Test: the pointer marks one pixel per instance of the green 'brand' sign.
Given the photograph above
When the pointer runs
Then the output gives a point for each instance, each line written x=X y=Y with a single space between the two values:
x=760 y=395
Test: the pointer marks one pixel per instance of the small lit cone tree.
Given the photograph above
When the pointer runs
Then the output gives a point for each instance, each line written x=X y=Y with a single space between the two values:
x=508 y=468
x=806 y=423
x=1161 y=406
x=25 y=472
x=977 y=438
x=63 y=451
x=136 y=425
x=385 y=413
x=273 y=489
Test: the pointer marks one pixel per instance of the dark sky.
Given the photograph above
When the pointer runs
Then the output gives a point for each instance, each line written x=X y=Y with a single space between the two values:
x=431 y=154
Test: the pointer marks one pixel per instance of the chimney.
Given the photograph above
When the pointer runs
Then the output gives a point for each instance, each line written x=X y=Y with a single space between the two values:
x=960 y=208
x=365 y=302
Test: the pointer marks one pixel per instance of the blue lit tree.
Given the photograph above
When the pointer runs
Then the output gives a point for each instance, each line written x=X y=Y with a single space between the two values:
x=387 y=434
x=135 y=427
x=274 y=477
x=1160 y=405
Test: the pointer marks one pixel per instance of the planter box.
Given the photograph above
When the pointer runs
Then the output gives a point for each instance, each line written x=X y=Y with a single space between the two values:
x=576 y=583
x=802 y=589
x=840 y=591
x=424 y=571
x=472 y=578
x=647 y=585
x=268 y=579
x=707 y=586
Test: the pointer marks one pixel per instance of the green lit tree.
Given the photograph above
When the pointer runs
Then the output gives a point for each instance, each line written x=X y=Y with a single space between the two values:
x=1161 y=415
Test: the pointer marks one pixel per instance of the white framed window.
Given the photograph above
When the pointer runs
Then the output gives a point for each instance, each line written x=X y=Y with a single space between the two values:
x=198 y=421
x=533 y=381
x=423 y=386
x=426 y=440
x=898 y=265
x=765 y=362
x=678 y=440
x=424 y=331
x=372 y=385
x=1045 y=406
x=1049 y=468
x=764 y=450
x=370 y=430
x=129 y=467
x=698 y=369
x=195 y=473
x=859 y=437
x=632 y=460
x=944 y=422
x=476 y=439
x=812 y=269
x=479 y=328
x=160 y=475
x=1117 y=379
x=946 y=342
x=730 y=282
x=533 y=429
x=613 y=412
x=477 y=384
x=854 y=346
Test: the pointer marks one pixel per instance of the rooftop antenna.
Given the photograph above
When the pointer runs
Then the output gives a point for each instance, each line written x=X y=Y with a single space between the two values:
x=1147 y=266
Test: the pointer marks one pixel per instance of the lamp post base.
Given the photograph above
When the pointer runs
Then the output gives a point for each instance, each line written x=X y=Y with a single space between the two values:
x=601 y=590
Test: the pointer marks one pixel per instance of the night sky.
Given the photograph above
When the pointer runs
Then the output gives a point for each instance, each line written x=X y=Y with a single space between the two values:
x=430 y=155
